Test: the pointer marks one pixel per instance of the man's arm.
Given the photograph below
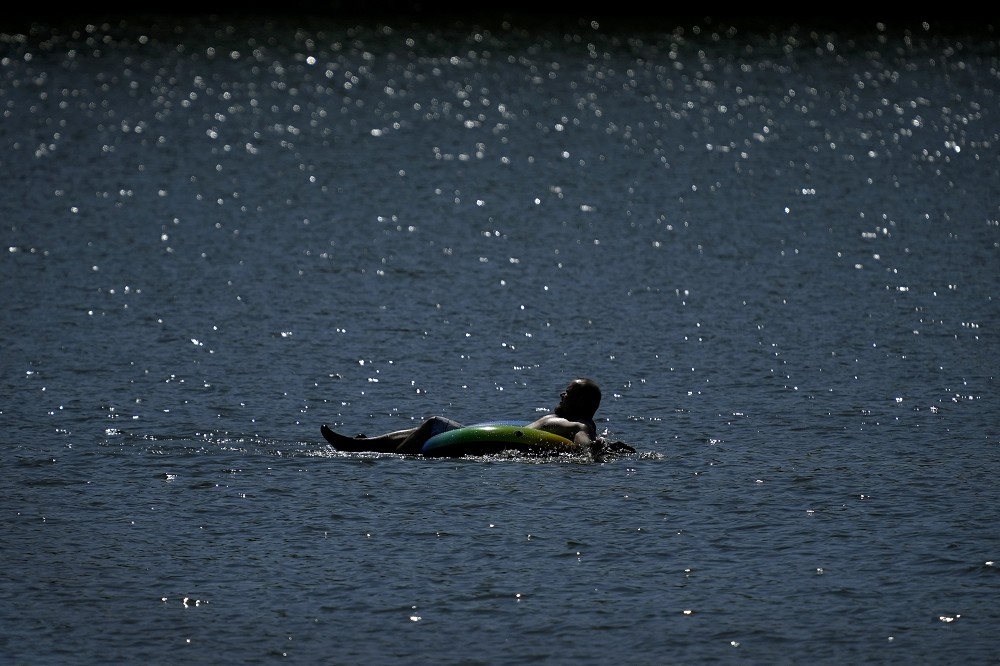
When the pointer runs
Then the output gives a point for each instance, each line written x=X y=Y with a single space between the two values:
x=582 y=434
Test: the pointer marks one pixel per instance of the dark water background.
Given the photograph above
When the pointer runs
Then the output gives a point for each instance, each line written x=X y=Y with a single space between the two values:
x=776 y=248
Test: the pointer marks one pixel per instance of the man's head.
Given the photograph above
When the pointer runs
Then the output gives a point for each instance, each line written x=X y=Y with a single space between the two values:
x=580 y=400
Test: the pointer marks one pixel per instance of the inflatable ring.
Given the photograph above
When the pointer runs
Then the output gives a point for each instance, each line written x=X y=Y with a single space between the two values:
x=486 y=439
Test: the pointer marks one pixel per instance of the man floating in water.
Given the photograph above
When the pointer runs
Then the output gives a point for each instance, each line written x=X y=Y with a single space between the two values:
x=572 y=419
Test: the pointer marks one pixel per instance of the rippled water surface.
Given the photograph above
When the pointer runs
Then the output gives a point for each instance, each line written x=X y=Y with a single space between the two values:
x=777 y=249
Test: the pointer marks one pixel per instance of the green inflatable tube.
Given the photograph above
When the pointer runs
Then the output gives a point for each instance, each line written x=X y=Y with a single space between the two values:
x=493 y=438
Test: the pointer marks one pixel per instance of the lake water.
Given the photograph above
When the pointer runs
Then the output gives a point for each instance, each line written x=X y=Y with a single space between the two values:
x=777 y=250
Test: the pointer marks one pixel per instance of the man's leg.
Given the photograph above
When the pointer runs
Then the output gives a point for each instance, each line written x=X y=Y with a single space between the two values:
x=409 y=441
x=414 y=441
x=386 y=443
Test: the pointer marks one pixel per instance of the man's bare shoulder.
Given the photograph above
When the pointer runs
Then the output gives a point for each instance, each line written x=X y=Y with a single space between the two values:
x=550 y=420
